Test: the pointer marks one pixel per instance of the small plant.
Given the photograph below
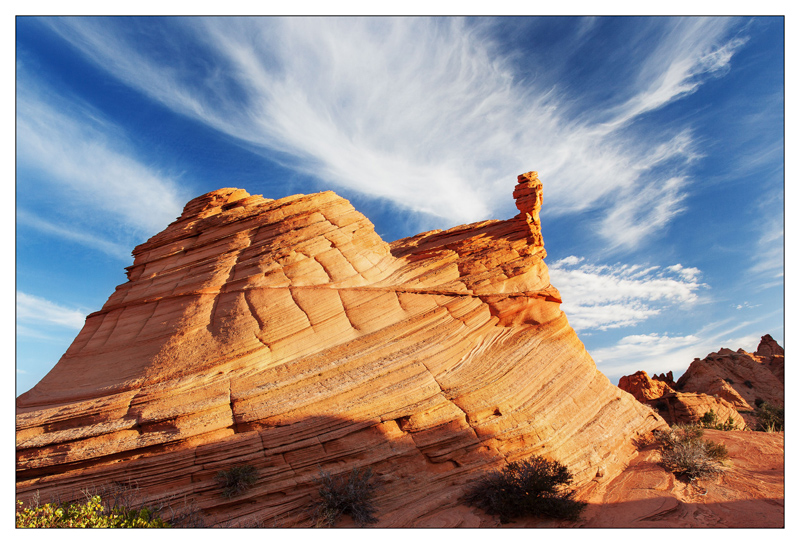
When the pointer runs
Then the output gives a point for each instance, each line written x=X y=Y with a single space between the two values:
x=684 y=453
x=677 y=435
x=770 y=417
x=710 y=421
x=91 y=514
x=715 y=450
x=236 y=480
x=531 y=487
x=748 y=383
x=729 y=425
x=352 y=495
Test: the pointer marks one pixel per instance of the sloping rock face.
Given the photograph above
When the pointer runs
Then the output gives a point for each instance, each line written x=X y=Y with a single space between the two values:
x=749 y=493
x=744 y=372
x=285 y=334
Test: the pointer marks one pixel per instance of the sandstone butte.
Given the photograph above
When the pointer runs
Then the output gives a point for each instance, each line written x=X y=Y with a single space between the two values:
x=728 y=382
x=285 y=334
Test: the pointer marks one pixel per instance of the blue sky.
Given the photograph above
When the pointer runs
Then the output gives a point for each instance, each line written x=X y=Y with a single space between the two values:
x=660 y=143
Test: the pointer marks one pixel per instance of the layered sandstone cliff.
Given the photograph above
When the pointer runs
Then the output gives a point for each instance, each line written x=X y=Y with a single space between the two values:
x=732 y=383
x=285 y=334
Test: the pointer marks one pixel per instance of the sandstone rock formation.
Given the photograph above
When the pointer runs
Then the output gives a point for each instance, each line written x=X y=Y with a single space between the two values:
x=676 y=407
x=285 y=334
x=726 y=381
x=771 y=354
x=744 y=372
x=643 y=388
x=666 y=378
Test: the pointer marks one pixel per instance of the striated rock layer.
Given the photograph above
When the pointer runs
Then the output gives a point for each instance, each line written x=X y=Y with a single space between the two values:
x=727 y=381
x=285 y=334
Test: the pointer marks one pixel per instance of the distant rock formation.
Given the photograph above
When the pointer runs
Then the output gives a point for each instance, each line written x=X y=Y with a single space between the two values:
x=771 y=354
x=285 y=334
x=727 y=382
x=643 y=388
x=666 y=378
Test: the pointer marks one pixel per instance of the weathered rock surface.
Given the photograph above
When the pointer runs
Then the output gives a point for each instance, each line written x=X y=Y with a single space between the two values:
x=749 y=493
x=666 y=378
x=726 y=381
x=643 y=388
x=749 y=375
x=771 y=354
x=678 y=407
x=285 y=334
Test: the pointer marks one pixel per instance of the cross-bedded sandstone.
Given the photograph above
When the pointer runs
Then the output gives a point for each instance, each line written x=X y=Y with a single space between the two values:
x=287 y=335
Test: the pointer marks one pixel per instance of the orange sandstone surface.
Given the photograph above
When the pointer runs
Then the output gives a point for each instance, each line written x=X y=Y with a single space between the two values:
x=749 y=493
x=285 y=334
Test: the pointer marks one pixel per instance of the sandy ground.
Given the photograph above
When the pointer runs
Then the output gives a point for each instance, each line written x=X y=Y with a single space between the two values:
x=750 y=493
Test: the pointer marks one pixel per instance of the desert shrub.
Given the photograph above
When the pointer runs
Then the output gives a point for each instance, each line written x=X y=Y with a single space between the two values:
x=236 y=480
x=531 y=487
x=341 y=495
x=748 y=383
x=676 y=435
x=715 y=450
x=690 y=460
x=710 y=421
x=770 y=417
x=758 y=402
x=178 y=510
x=684 y=453
x=91 y=514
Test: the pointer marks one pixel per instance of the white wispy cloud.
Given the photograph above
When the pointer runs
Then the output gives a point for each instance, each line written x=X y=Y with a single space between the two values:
x=87 y=168
x=653 y=353
x=605 y=297
x=423 y=112
x=659 y=353
x=40 y=311
x=86 y=238
x=681 y=62
x=768 y=254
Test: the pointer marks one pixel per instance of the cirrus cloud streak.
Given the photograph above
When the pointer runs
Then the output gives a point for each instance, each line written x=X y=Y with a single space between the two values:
x=601 y=297
x=427 y=113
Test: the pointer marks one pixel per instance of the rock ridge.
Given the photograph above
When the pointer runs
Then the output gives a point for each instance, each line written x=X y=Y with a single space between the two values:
x=732 y=383
x=287 y=334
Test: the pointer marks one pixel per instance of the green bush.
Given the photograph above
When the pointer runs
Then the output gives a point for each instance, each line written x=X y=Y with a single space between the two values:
x=531 y=487
x=337 y=496
x=91 y=514
x=770 y=417
x=236 y=480
x=709 y=421
x=684 y=453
